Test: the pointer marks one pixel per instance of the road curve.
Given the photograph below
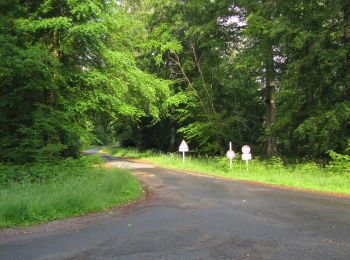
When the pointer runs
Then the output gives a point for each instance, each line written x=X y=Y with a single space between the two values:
x=188 y=216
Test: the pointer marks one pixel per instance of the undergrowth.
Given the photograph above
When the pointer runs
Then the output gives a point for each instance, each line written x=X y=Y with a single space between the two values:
x=38 y=193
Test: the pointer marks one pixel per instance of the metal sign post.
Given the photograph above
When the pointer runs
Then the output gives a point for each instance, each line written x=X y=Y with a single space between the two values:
x=246 y=155
x=183 y=148
x=230 y=155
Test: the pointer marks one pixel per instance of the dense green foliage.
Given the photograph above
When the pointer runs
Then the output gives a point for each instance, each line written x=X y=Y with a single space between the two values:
x=55 y=191
x=272 y=74
x=46 y=171
x=266 y=73
x=69 y=76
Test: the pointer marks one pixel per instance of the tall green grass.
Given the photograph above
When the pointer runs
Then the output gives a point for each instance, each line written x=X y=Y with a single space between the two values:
x=71 y=190
x=335 y=177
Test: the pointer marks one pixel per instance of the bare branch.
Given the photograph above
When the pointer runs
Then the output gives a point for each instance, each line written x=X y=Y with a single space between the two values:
x=210 y=96
x=176 y=60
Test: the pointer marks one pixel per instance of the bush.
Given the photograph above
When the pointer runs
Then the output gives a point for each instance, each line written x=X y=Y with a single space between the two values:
x=90 y=189
x=43 y=172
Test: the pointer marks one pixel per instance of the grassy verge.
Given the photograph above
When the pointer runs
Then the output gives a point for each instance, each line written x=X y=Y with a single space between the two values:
x=333 y=178
x=62 y=190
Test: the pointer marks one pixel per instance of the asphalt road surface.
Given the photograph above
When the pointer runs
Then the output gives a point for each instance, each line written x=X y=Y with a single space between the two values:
x=187 y=216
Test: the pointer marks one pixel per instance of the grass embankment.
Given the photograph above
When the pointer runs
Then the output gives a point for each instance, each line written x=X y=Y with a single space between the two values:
x=334 y=178
x=44 y=192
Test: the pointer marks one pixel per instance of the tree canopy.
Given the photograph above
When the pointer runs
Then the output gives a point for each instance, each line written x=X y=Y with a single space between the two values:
x=272 y=74
x=69 y=75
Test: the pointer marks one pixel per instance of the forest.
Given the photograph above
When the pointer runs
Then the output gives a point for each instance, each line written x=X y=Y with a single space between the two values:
x=269 y=73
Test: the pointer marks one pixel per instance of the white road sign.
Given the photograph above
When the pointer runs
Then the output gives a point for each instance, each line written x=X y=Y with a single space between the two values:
x=246 y=156
x=230 y=154
x=245 y=149
x=183 y=147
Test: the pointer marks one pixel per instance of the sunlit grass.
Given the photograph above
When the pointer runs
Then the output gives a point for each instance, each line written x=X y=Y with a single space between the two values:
x=334 y=178
x=94 y=189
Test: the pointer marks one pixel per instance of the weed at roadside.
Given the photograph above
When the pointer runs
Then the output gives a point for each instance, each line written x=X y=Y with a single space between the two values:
x=90 y=190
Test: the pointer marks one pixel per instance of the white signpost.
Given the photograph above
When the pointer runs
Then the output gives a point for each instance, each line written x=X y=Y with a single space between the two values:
x=246 y=155
x=230 y=155
x=183 y=148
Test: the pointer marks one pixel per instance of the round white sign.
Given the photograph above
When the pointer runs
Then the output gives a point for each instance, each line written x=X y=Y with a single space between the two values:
x=230 y=154
x=245 y=149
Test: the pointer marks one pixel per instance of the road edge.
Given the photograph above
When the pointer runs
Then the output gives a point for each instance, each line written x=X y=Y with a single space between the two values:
x=256 y=183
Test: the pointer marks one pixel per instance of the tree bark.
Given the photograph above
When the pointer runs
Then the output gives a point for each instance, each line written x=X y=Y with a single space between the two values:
x=270 y=104
x=347 y=41
x=55 y=44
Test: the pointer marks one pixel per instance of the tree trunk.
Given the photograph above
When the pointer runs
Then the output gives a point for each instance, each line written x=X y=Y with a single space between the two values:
x=55 y=44
x=347 y=41
x=172 y=130
x=271 y=148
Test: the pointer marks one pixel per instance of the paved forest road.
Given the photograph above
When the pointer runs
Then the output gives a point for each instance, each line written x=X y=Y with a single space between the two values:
x=194 y=217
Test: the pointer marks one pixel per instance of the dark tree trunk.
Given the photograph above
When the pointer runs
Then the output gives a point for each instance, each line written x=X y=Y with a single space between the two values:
x=271 y=148
x=347 y=41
